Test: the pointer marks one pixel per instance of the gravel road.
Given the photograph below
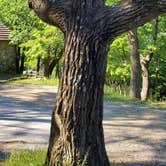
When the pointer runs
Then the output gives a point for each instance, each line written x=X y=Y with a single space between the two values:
x=134 y=135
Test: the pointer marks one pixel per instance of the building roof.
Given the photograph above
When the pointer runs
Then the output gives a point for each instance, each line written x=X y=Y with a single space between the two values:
x=4 y=32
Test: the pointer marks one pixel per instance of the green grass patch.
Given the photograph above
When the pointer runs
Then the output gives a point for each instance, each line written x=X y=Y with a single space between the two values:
x=32 y=81
x=111 y=94
x=155 y=104
x=26 y=158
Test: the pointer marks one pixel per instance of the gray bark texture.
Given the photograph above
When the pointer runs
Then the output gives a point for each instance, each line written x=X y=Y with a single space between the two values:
x=89 y=27
x=135 y=81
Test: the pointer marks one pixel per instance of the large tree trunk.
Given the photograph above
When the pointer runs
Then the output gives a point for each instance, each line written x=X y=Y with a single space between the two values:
x=89 y=26
x=76 y=128
x=135 y=81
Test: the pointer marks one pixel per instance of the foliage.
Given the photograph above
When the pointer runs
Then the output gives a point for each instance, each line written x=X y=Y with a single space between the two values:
x=20 y=19
x=33 y=81
x=118 y=66
x=35 y=38
x=44 y=43
x=157 y=65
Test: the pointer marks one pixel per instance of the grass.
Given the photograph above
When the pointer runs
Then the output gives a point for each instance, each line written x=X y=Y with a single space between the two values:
x=26 y=158
x=31 y=81
x=156 y=104
x=31 y=158
x=110 y=94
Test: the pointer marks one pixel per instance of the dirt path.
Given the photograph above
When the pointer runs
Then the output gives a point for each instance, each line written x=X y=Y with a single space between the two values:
x=134 y=135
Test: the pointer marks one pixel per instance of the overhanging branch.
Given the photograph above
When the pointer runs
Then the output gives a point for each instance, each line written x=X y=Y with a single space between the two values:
x=53 y=12
x=130 y=14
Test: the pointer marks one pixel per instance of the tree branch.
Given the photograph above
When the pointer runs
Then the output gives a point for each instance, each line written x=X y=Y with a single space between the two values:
x=128 y=15
x=53 y=12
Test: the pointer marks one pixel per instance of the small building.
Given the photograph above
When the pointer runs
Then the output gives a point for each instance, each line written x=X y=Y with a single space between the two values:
x=7 y=51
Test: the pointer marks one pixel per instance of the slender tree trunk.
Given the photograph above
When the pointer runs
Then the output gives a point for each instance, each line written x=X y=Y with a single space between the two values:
x=17 y=59
x=54 y=63
x=58 y=71
x=145 y=76
x=46 y=66
x=135 y=81
x=22 y=63
x=51 y=67
x=145 y=65
x=76 y=129
x=38 y=64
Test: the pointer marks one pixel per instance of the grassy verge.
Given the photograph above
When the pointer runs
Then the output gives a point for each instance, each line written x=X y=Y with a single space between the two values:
x=26 y=158
x=32 y=81
x=109 y=93
x=153 y=104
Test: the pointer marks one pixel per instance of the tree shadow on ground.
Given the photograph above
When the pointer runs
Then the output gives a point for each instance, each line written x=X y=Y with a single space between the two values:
x=28 y=120
x=137 y=135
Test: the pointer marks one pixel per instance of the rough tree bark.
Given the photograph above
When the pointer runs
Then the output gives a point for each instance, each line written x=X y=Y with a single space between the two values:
x=135 y=81
x=89 y=26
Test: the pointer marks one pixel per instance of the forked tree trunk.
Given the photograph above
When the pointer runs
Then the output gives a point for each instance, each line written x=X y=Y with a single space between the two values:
x=145 y=65
x=135 y=81
x=145 y=76
x=76 y=129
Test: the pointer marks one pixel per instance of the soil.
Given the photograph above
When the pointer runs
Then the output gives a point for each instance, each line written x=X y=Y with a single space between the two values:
x=134 y=135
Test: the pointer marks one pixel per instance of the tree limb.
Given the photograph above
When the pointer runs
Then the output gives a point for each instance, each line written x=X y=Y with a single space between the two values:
x=129 y=14
x=53 y=12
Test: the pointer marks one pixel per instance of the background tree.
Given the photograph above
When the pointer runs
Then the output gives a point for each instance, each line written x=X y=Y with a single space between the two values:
x=46 y=44
x=135 y=80
x=21 y=22
x=33 y=39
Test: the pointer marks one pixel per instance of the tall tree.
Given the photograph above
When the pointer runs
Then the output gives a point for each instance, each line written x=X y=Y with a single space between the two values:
x=135 y=81
x=89 y=27
x=145 y=65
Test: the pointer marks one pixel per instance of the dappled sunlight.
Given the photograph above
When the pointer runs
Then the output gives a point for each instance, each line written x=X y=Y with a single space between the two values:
x=25 y=115
x=134 y=135
x=33 y=93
